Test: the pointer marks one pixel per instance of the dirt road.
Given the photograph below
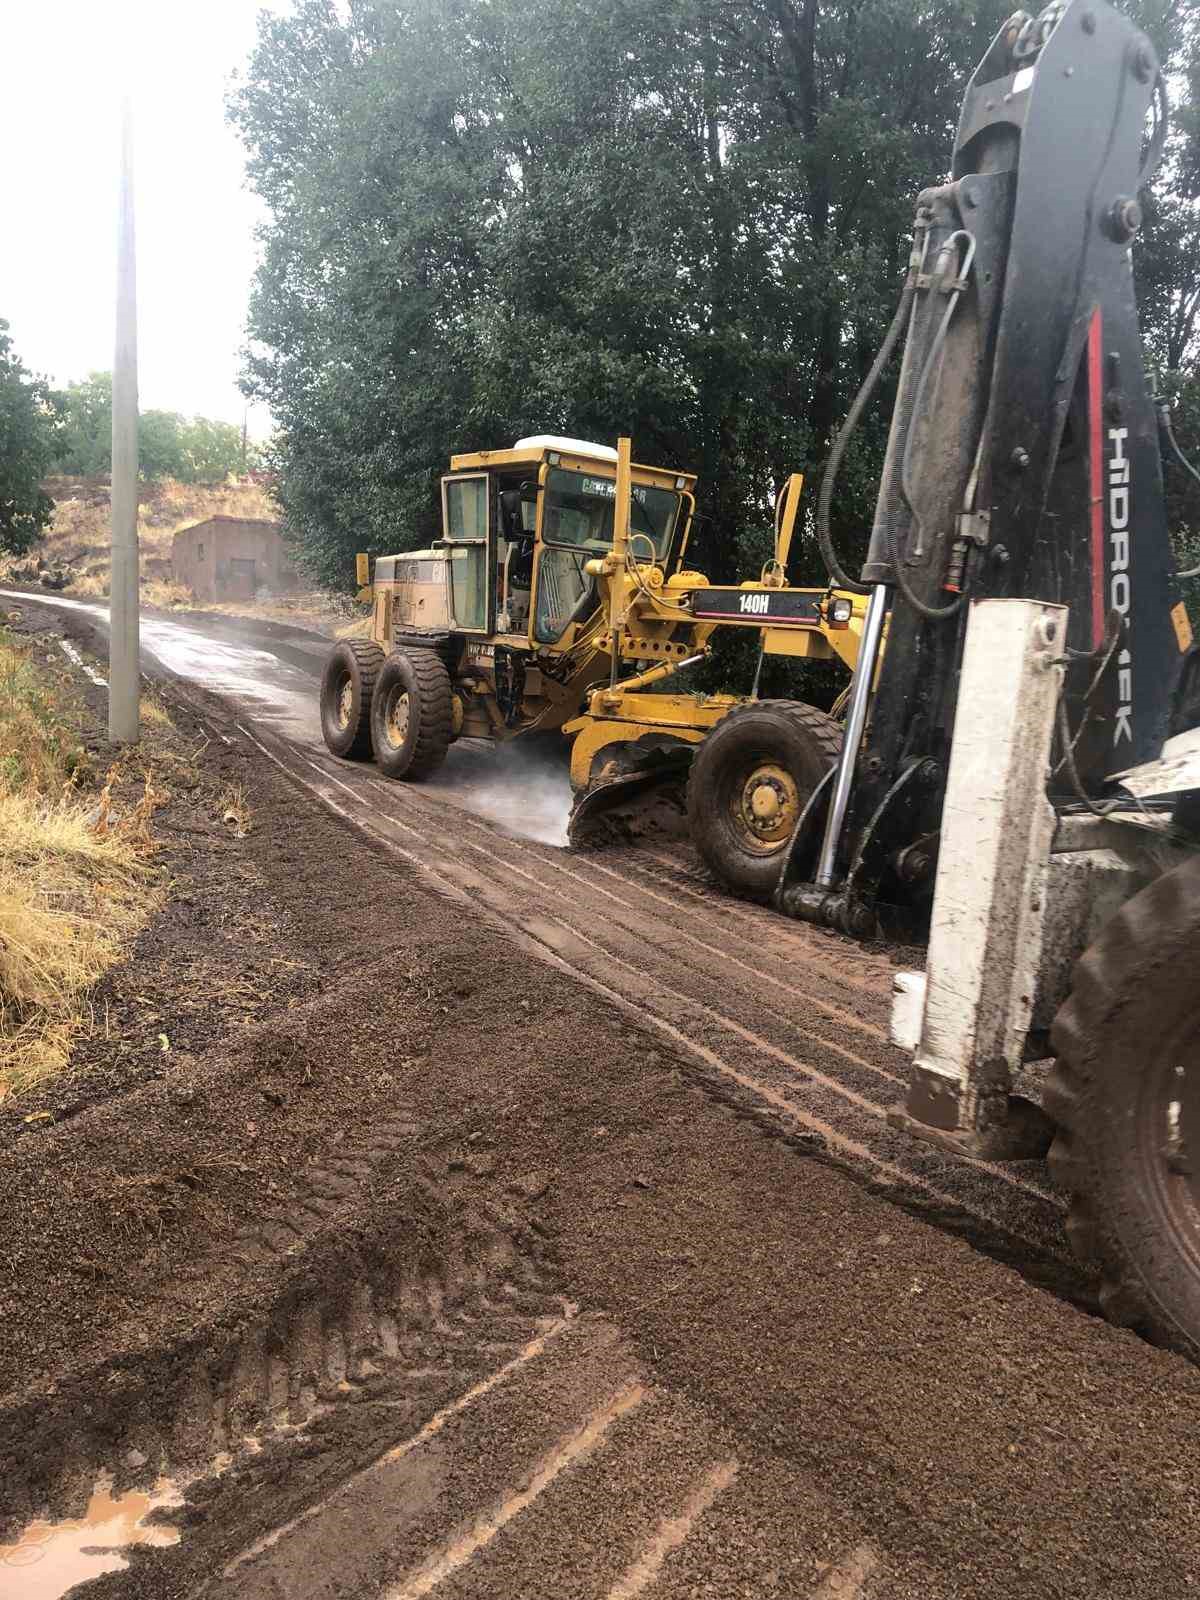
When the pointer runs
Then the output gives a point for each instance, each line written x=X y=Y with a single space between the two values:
x=570 y=1252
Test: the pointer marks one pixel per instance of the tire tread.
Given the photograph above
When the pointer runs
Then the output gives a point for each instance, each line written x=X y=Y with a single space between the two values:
x=816 y=728
x=1118 y=970
x=370 y=658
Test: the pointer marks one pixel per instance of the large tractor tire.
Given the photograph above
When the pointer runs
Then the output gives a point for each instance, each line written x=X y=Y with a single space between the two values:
x=1125 y=1095
x=412 y=715
x=749 y=784
x=347 y=688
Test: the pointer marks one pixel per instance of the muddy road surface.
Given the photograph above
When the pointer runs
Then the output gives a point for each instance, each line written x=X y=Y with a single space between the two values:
x=551 y=1241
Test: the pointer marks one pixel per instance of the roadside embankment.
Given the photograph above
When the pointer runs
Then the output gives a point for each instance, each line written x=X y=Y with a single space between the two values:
x=77 y=878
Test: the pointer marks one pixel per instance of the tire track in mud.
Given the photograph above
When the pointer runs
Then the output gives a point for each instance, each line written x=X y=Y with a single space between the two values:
x=996 y=1207
x=857 y=1085
x=262 y=1400
x=324 y=1188
x=567 y=1461
x=620 y=934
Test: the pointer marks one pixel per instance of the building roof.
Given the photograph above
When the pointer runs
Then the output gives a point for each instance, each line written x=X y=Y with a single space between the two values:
x=229 y=522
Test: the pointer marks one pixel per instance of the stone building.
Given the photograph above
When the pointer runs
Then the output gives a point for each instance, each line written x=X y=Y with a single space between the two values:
x=232 y=558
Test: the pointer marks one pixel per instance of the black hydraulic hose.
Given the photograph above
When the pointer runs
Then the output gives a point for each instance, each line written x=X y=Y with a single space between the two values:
x=1158 y=137
x=832 y=565
x=1168 y=433
x=1113 y=633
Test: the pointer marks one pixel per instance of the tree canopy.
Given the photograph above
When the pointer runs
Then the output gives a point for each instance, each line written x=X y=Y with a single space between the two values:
x=28 y=417
x=192 y=449
x=685 y=221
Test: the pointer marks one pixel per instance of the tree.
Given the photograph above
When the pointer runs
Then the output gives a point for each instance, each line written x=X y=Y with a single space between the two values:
x=211 y=451
x=84 y=444
x=161 y=452
x=191 y=449
x=28 y=418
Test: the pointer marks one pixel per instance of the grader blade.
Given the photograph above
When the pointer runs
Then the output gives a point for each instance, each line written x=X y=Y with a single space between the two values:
x=645 y=803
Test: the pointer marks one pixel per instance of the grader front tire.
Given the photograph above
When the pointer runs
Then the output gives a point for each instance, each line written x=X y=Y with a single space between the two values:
x=749 y=784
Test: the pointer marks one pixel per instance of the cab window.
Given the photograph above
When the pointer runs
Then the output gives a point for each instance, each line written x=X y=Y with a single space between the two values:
x=580 y=510
x=466 y=508
x=465 y=521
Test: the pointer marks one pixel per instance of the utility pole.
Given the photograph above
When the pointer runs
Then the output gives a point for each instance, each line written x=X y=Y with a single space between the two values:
x=123 y=665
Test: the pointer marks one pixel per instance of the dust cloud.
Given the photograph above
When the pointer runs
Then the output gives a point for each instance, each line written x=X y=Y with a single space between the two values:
x=521 y=787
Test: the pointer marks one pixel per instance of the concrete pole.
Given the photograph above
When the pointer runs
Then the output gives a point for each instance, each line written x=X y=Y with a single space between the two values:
x=123 y=671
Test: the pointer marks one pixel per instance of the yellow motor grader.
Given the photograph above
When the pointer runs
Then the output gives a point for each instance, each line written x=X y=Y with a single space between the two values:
x=559 y=598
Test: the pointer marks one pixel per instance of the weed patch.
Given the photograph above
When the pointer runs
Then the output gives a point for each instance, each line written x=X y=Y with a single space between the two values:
x=76 y=877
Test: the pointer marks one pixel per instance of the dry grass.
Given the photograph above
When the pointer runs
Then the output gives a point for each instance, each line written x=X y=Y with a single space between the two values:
x=76 y=883
x=152 y=713
x=40 y=749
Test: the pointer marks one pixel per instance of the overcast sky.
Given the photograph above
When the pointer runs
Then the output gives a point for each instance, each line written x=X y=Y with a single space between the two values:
x=195 y=220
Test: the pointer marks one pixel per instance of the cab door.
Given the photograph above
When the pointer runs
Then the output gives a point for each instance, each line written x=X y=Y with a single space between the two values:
x=468 y=538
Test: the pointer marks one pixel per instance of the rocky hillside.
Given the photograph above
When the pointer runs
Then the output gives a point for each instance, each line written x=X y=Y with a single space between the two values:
x=74 y=555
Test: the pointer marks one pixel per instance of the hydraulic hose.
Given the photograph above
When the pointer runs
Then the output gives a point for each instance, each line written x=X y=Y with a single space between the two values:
x=921 y=607
x=1158 y=136
x=1168 y=433
x=846 y=432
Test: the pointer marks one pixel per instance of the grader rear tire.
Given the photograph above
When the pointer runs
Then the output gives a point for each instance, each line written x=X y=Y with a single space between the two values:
x=749 y=784
x=1125 y=1095
x=347 y=687
x=412 y=715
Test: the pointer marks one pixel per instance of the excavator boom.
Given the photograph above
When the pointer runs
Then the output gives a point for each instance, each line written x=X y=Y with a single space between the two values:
x=1022 y=458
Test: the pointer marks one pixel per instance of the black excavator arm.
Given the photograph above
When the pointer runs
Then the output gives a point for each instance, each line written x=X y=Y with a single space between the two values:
x=1022 y=459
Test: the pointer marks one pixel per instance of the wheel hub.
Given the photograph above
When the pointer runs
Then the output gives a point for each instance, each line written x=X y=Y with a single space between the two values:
x=397 y=718
x=345 y=703
x=769 y=806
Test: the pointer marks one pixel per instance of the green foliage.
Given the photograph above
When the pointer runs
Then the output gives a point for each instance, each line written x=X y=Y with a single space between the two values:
x=212 y=450
x=160 y=446
x=84 y=444
x=685 y=221
x=191 y=449
x=28 y=416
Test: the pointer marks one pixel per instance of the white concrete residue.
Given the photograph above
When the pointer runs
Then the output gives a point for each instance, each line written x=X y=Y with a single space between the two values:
x=47 y=1559
x=72 y=654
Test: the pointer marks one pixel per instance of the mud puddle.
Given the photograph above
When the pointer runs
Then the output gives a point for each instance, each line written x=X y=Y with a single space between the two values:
x=47 y=1559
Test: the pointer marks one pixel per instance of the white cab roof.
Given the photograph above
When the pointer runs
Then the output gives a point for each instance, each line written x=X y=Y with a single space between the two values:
x=573 y=447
